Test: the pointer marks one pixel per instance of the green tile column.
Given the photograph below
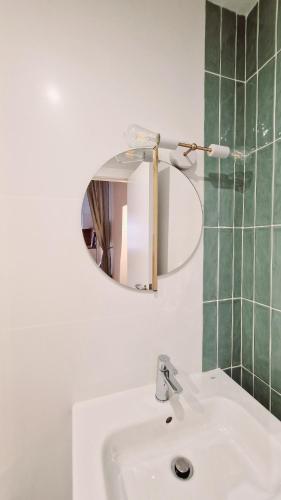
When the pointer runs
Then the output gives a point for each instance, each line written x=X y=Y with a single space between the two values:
x=242 y=244
x=262 y=342
x=251 y=37
x=224 y=187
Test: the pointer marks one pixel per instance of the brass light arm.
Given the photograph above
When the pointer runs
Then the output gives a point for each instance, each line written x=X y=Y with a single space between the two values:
x=155 y=221
x=193 y=147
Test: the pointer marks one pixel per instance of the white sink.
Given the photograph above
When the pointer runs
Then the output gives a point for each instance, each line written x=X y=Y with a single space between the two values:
x=123 y=447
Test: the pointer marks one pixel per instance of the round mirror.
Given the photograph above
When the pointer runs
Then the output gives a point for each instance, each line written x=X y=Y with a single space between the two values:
x=121 y=204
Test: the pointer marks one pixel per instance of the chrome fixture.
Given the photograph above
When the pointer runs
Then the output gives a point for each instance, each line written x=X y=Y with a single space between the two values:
x=165 y=379
x=182 y=468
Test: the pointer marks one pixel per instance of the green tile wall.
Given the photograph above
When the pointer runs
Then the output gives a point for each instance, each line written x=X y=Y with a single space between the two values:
x=242 y=221
x=224 y=190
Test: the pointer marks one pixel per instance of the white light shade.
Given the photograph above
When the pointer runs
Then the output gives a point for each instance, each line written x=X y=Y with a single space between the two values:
x=218 y=151
x=139 y=137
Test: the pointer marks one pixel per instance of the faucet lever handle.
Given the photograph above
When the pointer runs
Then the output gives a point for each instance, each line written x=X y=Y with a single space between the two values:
x=164 y=364
x=166 y=378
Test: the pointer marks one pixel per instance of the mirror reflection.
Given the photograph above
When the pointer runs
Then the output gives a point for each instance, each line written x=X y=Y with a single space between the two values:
x=117 y=218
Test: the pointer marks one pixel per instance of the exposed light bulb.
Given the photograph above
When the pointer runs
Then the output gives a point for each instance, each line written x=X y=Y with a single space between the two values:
x=139 y=137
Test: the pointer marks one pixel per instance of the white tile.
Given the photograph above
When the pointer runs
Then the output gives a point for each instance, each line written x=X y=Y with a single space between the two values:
x=73 y=76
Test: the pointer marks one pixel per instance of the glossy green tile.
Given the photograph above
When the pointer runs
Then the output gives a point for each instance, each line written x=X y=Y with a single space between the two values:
x=226 y=192
x=276 y=268
x=238 y=193
x=226 y=256
x=251 y=101
x=265 y=103
x=276 y=404
x=237 y=262
x=262 y=265
x=212 y=85
x=267 y=21
x=277 y=185
x=211 y=136
x=276 y=351
x=228 y=43
x=240 y=61
x=247 y=381
x=264 y=186
x=210 y=336
x=225 y=336
x=236 y=374
x=261 y=392
x=210 y=263
x=278 y=97
x=249 y=190
x=261 y=342
x=236 y=351
x=211 y=191
x=248 y=263
x=211 y=127
x=227 y=112
x=279 y=26
x=239 y=146
x=252 y=42
x=212 y=37
x=240 y=118
x=247 y=334
x=244 y=202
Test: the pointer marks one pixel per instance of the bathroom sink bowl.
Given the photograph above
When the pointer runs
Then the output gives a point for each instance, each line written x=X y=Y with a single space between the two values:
x=124 y=445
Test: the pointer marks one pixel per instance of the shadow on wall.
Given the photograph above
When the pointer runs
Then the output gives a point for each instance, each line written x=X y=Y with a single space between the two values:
x=235 y=181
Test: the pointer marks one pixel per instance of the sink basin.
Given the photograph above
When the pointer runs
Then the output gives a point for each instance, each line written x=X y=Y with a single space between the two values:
x=124 y=444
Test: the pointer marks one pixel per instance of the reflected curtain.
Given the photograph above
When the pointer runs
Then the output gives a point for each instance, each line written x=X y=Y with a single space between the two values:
x=98 y=197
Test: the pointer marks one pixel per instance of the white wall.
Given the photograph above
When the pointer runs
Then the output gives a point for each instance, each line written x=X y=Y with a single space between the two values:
x=74 y=73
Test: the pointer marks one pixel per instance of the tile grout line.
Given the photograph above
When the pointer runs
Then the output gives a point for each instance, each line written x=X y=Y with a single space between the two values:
x=228 y=299
x=229 y=367
x=266 y=306
x=272 y=206
x=264 y=64
x=274 y=390
x=277 y=52
x=255 y=201
x=267 y=226
x=261 y=380
x=219 y=175
x=243 y=213
x=233 y=195
x=260 y=148
x=223 y=76
x=267 y=145
x=256 y=302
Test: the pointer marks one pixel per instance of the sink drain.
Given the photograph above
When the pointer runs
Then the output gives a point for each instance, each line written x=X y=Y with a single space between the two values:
x=182 y=468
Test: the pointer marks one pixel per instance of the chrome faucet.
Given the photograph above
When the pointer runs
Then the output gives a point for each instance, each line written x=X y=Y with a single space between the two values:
x=165 y=379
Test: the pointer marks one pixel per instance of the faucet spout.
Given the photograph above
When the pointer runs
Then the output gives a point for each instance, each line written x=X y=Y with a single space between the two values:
x=166 y=381
x=173 y=383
